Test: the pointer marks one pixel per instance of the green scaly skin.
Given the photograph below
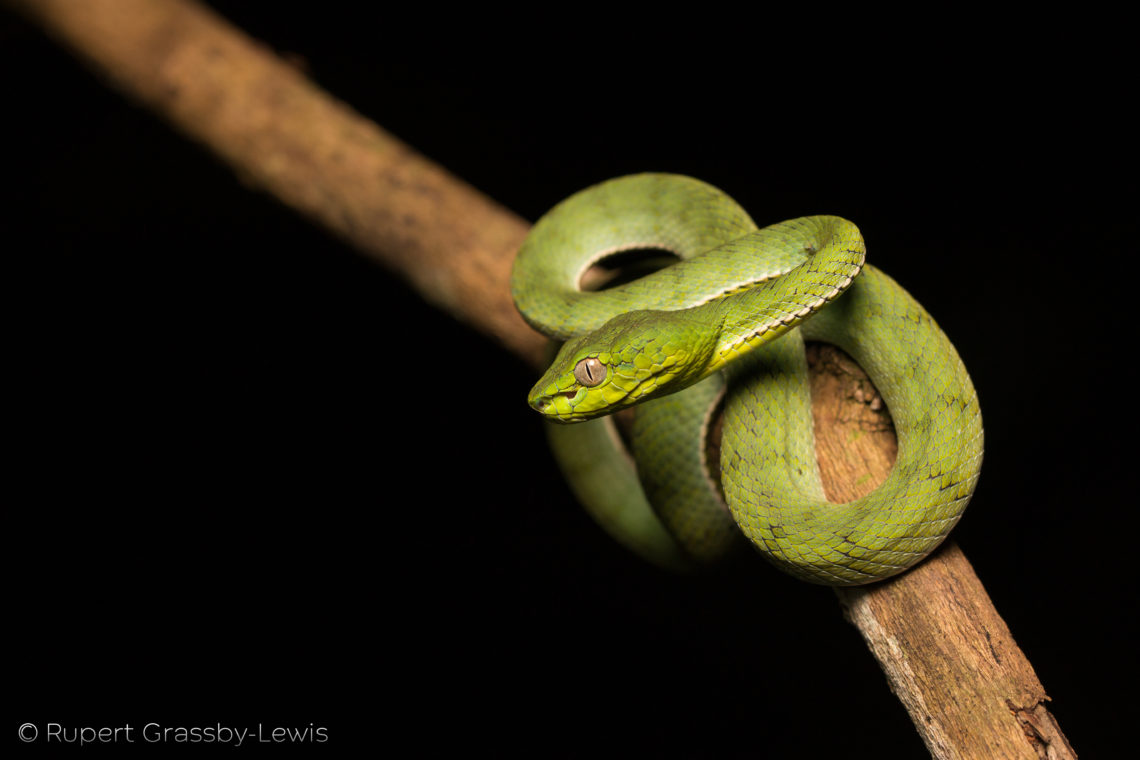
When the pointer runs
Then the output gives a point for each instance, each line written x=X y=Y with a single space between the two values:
x=664 y=342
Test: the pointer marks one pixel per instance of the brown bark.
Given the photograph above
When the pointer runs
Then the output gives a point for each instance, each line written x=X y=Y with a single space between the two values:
x=289 y=138
x=948 y=655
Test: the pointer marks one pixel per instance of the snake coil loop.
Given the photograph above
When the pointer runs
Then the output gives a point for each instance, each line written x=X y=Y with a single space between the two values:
x=739 y=303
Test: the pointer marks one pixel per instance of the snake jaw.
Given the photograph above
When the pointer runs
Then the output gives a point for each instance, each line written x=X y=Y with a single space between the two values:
x=556 y=405
x=561 y=396
x=642 y=358
x=564 y=399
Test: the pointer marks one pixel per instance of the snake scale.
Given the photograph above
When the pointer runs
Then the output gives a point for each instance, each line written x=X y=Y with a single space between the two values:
x=726 y=325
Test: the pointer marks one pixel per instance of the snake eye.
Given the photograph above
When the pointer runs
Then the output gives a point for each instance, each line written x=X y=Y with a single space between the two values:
x=589 y=371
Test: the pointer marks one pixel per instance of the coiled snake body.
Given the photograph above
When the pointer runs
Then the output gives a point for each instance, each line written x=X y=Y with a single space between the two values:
x=739 y=303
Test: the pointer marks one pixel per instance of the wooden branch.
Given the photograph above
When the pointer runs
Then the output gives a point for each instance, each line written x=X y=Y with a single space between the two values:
x=285 y=136
x=948 y=656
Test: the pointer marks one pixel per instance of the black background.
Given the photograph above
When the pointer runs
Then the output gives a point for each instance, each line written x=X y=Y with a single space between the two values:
x=254 y=479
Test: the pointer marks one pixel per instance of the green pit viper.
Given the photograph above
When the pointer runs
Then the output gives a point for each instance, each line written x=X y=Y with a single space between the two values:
x=726 y=325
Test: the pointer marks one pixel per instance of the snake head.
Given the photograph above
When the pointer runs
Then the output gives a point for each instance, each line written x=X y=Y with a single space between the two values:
x=634 y=357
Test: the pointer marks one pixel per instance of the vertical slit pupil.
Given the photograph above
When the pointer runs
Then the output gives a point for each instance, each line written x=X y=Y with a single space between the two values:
x=589 y=371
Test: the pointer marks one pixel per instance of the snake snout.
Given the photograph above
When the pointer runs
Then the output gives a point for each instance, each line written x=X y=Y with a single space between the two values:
x=556 y=407
x=543 y=404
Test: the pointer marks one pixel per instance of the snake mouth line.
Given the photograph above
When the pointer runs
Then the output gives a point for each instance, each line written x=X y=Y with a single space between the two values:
x=546 y=405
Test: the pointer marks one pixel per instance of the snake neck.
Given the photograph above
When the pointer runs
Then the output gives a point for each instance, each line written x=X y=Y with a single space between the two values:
x=760 y=314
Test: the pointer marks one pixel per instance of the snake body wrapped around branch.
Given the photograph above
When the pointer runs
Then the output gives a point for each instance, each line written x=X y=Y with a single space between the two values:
x=726 y=325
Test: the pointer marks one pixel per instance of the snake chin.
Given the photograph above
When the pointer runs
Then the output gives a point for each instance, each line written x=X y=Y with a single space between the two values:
x=642 y=357
x=569 y=402
x=557 y=406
